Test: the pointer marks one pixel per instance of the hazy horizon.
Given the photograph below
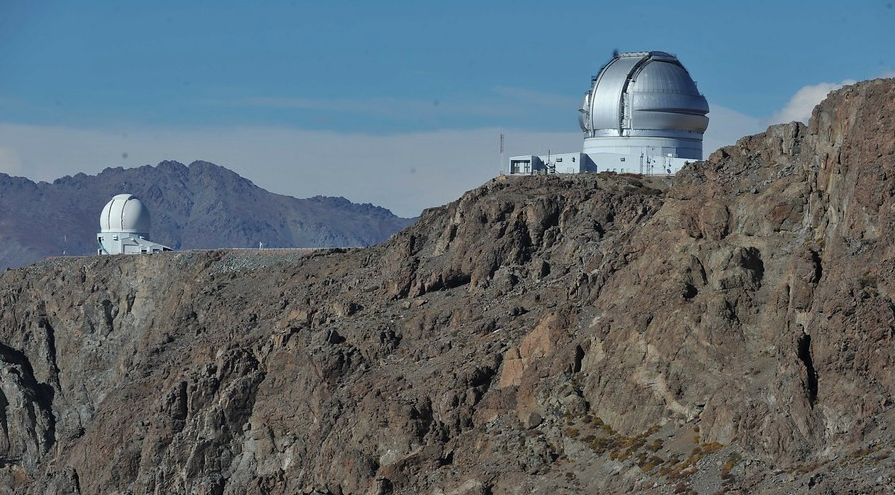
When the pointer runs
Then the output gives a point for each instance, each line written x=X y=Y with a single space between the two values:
x=401 y=105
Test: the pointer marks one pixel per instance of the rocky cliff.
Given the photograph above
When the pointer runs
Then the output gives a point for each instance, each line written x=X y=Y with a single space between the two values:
x=731 y=329
x=199 y=206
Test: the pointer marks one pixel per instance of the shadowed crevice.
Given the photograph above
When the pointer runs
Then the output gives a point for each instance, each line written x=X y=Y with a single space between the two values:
x=804 y=352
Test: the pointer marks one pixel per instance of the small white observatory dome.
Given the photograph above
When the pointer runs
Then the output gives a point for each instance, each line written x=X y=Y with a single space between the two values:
x=124 y=228
x=125 y=213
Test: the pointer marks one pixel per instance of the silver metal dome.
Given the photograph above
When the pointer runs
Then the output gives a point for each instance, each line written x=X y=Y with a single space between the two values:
x=644 y=100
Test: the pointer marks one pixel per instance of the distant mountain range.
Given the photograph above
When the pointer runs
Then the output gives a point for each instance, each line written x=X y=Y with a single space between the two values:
x=200 y=206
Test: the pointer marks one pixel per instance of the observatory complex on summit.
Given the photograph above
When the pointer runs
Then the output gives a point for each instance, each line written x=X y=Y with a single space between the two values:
x=642 y=114
x=124 y=228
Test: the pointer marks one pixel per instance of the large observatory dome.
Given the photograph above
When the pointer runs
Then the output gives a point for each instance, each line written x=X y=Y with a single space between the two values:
x=127 y=214
x=644 y=101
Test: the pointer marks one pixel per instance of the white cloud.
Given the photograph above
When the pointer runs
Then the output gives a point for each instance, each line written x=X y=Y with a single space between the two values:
x=726 y=126
x=803 y=102
x=403 y=172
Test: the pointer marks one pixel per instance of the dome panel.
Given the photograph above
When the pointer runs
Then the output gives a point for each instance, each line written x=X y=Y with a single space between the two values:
x=659 y=120
x=606 y=94
x=663 y=77
x=643 y=91
x=671 y=102
x=669 y=111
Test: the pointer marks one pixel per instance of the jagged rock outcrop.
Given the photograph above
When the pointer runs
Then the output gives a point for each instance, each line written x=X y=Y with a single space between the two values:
x=200 y=206
x=730 y=329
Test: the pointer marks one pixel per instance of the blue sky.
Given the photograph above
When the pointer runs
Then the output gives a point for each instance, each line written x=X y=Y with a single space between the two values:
x=397 y=103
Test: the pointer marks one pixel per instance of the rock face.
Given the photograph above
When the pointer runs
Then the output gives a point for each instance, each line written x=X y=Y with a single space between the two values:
x=201 y=206
x=732 y=330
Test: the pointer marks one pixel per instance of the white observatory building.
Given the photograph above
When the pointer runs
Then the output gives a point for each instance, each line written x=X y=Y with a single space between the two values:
x=124 y=228
x=642 y=114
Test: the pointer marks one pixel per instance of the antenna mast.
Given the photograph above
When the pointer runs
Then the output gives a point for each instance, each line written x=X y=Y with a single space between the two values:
x=501 y=153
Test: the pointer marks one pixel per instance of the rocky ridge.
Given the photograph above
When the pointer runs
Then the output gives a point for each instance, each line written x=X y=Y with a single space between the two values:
x=728 y=330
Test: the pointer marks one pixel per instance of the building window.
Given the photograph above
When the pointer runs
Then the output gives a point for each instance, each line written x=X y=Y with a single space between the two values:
x=622 y=159
x=573 y=159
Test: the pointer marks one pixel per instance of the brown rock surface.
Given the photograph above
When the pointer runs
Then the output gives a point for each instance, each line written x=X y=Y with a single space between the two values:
x=730 y=331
